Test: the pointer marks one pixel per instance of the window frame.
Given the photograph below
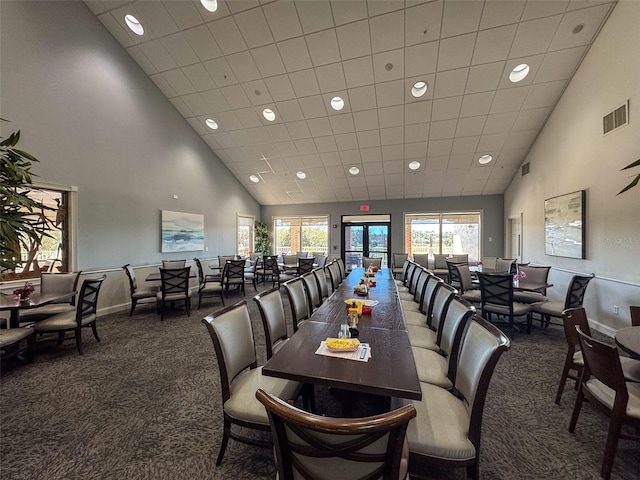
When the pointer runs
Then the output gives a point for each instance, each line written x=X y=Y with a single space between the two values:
x=300 y=223
x=252 y=236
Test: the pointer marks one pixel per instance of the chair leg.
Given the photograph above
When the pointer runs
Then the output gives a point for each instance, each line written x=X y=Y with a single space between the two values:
x=60 y=338
x=473 y=471
x=576 y=410
x=615 y=426
x=224 y=442
x=187 y=305
x=563 y=378
x=95 y=331
x=31 y=340
x=133 y=306
x=79 y=340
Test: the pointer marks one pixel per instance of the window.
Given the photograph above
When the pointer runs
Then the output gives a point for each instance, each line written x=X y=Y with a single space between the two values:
x=245 y=235
x=52 y=253
x=301 y=234
x=446 y=233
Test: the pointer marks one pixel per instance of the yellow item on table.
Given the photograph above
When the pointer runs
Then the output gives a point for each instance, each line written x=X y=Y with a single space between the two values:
x=359 y=305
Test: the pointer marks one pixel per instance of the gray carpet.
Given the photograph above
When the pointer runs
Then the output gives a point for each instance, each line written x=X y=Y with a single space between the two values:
x=144 y=404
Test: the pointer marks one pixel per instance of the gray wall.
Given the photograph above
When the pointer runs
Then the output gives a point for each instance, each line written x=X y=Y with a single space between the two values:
x=491 y=206
x=95 y=120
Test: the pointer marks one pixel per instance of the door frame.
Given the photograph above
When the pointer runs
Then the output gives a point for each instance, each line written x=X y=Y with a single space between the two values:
x=365 y=236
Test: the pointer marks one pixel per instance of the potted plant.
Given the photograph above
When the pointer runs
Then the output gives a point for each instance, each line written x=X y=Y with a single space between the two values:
x=263 y=239
x=635 y=181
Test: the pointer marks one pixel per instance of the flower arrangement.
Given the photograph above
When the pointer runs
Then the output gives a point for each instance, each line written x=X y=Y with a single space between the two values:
x=519 y=276
x=24 y=292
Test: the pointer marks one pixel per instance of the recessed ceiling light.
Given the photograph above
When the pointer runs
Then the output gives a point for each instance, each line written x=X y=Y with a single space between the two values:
x=254 y=179
x=519 y=72
x=484 y=159
x=578 y=28
x=337 y=103
x=133 y=23
x=211 y=124
x=301 y=175
x=210 y=5
x=269 y=114
x=354 y=170
x=419 y=89
x=414 y=165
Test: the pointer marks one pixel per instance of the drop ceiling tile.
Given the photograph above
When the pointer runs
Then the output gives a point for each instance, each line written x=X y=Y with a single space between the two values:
x=142 y=60
x=215 y=100
x=465 y=145
x=533 y=119
x=178 y=82
x=371 y=169
x=220 y=72
x=492 y=143
x=461 y=162
x=346 y=141
x=544 y=94
x=323 y=47
x=306 y=146
x=456 y=52
x=163 y=85
x=470 y=126
x=258 y=136
x=484 y=78
x=240 y=137
x=179 y=49
x=378 y=7
x=181 y=107
x=543 y=9
x=422 y=23
x=440 y=147
x=362 y=98
x=499 y=123
x=436 y=163
x=476 y=104
x=391 y=116
x=369 y=138
x=497 y=13
x=254 y=28
x=394 y=180
x=429 y=80
x=268 y=60
x=371 y=154
x=290 y=110
x=418 y=112
x=157 y=20
x=199 y=77
x=388 y=65
x=390 y=93
x=460 y=17
x=118 y=29
x=387 y=31
x=421 y=59
x=278 y=133
x=196 y=104
x=298 y=130
x=184 y=14
x=590 y=18
x=313 y=107
x=326 y=144
x=314 y=16
x=287 y=149
x=203 y=43
x=535 y=36
x=350 y=157
x=235 y=96
x=417 y=132
x=348 y=11
x=294 y=54
x=522 y=139
x=243 y=66
x=158 y=55
x=450 y=83
x=559 y=65
x=342 y=123
x=197 y=126
x=283 y=20
x=224 y=140
x=358 y=71
x=228 y=121
x=331 y=77
x=392 y=152
x=442 y=129
x=534 y=65
x=415 y=150
x=509 y=100
x=366 y=120
x=240 y=5
x=391 y=136
x=280 y=87
x=511 y=157
x=260 y=111
x=354 y=40
x=331 y=159
x=493 y=45
x=446 y=108
x=319 y=127
x=304 y=83
x=227 y=35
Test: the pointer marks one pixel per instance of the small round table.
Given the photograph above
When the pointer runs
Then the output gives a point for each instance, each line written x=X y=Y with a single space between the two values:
x=628 y=339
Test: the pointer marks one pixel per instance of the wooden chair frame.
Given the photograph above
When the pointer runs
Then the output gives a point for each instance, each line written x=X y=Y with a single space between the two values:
x=497 y=289
x=174 y=280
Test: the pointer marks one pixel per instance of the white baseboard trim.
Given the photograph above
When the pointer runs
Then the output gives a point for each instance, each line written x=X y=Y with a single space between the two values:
x=605 y=329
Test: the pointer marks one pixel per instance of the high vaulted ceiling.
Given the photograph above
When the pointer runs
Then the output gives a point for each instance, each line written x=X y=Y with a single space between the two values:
x=293 y=57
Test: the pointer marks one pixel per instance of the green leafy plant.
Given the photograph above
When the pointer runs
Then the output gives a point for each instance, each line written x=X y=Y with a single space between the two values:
x=21 y=222
x=262 y=238
x=635 y=181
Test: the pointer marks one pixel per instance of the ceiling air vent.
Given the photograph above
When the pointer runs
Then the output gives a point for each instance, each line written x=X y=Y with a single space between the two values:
x=525 y=169
x=616 y=118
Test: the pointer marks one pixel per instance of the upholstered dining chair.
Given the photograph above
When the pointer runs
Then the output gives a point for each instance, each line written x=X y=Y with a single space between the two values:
x=232 y=336
x=574 y=360
x=371 y=262
x=504 y=265
x=448 y=424
x=174 y=263
x=208 y=285
x=269 y=270
x=84 y=316
x=233 y=276
x=397 y=263
x=15 y=341
x=341 y=267
x=603 y=383
x=59 y=283
x=421 y=259
x=174 y=288
x=468 y=290
x=573 y=299
x=314 y=299
x=305 y=265
x=321 y=278
x=634 y=311
x=273 y=319
x=413 y=303
x=334 y=274
x=298 y=302
x=321 y=448
x=422 y=318
x=536 y=275
x=496 y=290
x=138 y=294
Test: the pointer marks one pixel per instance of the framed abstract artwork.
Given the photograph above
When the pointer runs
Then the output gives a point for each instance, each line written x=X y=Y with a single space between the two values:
x=182 y=232
x=564 y=228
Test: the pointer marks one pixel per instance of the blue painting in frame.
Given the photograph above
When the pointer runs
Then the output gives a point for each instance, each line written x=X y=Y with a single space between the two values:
x=182 y=232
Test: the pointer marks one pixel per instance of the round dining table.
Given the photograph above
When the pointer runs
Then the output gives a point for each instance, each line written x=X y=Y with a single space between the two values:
x=628 y=339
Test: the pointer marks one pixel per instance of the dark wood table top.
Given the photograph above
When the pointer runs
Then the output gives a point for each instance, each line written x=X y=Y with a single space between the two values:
x=527 y=286
x=13 y=304
x=390 y=371
x=628 y=339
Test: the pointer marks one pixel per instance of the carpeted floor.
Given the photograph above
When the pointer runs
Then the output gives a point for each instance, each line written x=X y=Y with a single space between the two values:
x=144 y=404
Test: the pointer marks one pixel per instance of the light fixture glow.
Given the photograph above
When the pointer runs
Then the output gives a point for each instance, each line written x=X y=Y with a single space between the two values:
x=519 y=72
x=354 y=170
x=414 y=165
x=269 y=114
x=210 y=5
x=419 y=89
x=484 y=159
x=254 y=179
x=211 y=124
x=301 y=175
x=337 y=103
x=133 y=23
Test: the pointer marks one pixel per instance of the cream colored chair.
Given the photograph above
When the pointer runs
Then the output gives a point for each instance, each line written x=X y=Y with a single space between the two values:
x=421 y=259
x=138 y=294
x=240 y=376
x=14 y=341
x=397 y=263
x=274 y=320
x=298 y=301
x=428 y=335
x=174 y=264
x=371 y=262
x=58 y=283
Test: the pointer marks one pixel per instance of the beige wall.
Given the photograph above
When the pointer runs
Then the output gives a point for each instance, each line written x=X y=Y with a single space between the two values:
x=572 y=154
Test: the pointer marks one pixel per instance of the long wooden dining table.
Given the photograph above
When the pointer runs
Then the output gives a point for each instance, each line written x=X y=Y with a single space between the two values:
x=391 y=370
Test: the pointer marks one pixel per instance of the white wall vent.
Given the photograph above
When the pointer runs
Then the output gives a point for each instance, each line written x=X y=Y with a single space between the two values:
x=525 y=169
x=616 y=118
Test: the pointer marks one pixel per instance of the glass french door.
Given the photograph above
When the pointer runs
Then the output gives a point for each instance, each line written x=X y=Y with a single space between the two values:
x=364 y=239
